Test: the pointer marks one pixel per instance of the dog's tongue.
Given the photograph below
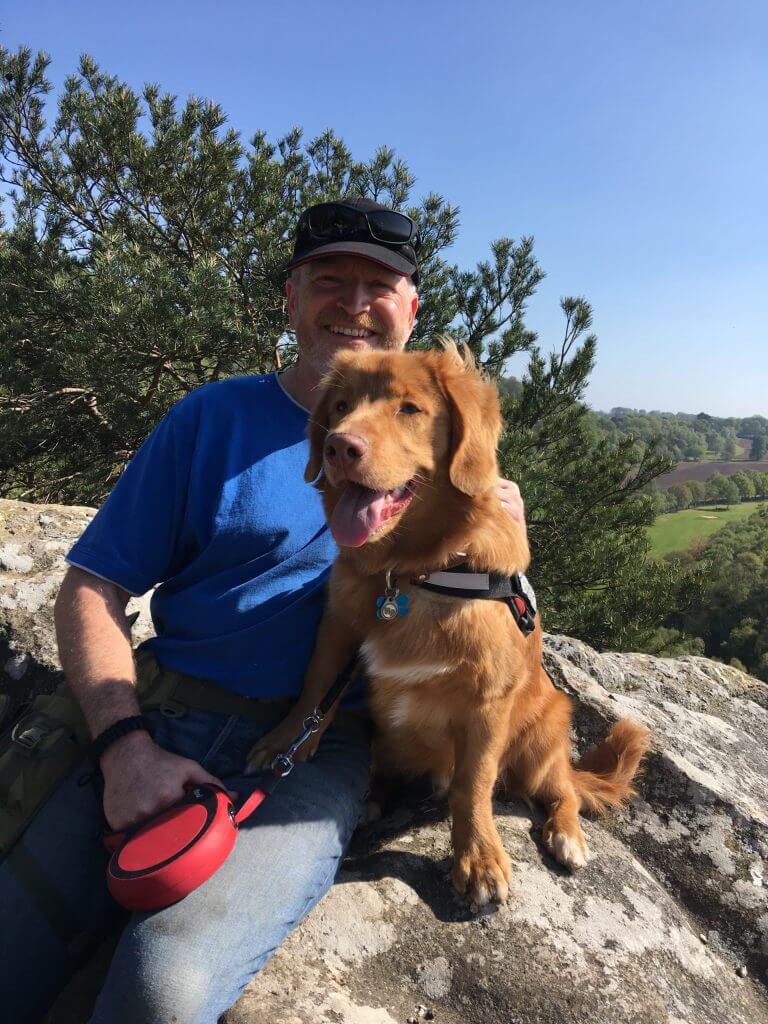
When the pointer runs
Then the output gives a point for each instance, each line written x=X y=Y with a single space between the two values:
x=358 y=514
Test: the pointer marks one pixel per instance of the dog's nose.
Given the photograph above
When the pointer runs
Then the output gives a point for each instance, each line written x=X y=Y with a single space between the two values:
x=345 y=450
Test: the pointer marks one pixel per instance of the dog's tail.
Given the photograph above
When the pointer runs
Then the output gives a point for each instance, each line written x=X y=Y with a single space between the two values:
x=603 y=777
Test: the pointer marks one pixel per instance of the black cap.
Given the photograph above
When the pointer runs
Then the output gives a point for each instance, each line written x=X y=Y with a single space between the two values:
x=400 y=257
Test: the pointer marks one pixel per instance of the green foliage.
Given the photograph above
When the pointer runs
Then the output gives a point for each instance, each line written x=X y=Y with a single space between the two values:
x=728 y=448
x=723 y=489
x=698 y=491
x=672 y=643
x=731 y=617
x=681 y=495
x=745 y=484
x=682 y=436
x=144 y=257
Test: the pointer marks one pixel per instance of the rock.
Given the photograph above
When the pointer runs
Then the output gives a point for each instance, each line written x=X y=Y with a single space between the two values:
x=434 y=978
x=668 y=923
x=33 y=542
x=702 y=827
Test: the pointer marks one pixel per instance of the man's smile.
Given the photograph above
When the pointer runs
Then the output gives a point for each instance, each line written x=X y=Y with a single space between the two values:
x=357 y=333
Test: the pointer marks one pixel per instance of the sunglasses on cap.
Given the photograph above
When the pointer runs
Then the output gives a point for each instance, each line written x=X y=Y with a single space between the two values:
x=331 y=222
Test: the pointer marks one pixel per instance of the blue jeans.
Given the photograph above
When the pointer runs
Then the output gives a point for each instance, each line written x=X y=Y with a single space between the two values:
x=189 y=962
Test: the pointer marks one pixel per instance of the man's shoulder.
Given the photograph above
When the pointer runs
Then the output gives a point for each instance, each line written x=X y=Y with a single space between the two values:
x=239 y=406
x=246 y=387
x=234 y=394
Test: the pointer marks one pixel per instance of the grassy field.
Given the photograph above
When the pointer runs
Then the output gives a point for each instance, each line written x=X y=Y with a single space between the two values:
x=677 y=530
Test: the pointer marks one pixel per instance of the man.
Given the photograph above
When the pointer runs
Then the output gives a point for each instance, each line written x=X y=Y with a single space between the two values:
x=213 y=507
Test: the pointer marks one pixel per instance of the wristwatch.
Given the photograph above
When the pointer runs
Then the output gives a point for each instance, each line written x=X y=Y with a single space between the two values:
x=122 y=727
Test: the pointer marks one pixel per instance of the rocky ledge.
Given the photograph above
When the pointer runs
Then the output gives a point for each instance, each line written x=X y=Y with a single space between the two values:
x=668 y=923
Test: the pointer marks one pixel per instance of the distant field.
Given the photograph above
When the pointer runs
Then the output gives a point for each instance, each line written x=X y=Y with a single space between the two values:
x=676 y=531
x=685 y=471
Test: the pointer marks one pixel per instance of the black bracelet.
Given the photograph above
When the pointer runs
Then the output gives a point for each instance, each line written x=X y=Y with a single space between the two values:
x=121 y=728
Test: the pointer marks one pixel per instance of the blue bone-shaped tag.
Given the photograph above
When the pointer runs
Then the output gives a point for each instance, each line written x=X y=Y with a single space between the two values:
x=388 y=608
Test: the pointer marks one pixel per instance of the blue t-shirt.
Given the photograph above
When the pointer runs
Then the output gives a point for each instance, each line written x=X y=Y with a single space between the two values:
x=215 y=509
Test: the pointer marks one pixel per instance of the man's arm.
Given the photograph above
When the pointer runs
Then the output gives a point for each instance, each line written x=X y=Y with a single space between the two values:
x=94 y=641
x=95 y=648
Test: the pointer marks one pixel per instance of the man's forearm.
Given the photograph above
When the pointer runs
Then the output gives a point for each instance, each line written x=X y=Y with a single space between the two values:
x=95 y=648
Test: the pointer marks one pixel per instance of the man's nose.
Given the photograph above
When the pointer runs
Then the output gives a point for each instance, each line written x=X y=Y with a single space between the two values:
x=345 y=451
x=355 y=299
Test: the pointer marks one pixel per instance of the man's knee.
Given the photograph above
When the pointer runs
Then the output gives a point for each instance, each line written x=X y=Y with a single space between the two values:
x=162 y=981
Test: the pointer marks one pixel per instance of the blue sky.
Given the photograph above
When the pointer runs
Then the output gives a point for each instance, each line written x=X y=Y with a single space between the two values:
x=631 y=140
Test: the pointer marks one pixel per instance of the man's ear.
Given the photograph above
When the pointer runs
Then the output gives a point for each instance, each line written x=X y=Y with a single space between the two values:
x=475 y=432
x=291 y=296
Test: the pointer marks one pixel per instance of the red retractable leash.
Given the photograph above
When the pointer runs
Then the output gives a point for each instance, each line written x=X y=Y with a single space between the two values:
x=161 y=860
x=166 y=857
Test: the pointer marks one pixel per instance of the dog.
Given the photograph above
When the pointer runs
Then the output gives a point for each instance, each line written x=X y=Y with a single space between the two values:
x=403 y=447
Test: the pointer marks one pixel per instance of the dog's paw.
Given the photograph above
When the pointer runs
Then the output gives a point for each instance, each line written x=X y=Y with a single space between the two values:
x=568 y=848
x=482 y=874
x=263 y=753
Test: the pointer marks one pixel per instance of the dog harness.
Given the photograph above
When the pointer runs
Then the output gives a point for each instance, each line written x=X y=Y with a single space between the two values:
x=515 y=591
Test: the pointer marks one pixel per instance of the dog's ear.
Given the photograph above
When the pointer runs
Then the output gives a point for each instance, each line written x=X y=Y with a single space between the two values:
x=317 y=431
x=475 y=432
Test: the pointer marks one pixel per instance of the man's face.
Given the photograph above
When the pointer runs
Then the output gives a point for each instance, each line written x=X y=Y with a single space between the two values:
x=339 y=302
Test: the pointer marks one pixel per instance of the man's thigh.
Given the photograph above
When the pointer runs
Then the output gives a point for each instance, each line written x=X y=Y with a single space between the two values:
x=190 y=961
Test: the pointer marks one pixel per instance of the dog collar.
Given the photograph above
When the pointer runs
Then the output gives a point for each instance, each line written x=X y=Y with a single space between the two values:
x=515 y=591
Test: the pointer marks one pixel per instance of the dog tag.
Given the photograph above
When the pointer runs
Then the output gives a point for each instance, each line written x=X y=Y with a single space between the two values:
x=393 y=603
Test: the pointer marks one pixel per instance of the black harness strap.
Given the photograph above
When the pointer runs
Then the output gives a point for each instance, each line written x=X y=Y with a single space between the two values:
x=515 y=591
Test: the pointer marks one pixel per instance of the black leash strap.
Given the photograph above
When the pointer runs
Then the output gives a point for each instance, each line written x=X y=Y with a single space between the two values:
x=282 y=764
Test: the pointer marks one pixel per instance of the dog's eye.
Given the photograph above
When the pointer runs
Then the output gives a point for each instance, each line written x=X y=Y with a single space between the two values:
x=341 y=406
x=409 y=408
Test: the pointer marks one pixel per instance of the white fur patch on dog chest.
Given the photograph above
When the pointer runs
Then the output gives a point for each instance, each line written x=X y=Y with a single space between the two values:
x=413 y=672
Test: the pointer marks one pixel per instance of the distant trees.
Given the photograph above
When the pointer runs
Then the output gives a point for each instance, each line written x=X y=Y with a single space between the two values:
x=728 y=447
x=722 y=489
x=730 y=619
x=680 y=495
x=695 y=450
x=745 y=485
x=685 y=437
x=758 y=448
x=698 y=491
x=751 y=426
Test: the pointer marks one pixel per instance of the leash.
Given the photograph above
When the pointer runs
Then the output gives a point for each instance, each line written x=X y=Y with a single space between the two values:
x=283 y=764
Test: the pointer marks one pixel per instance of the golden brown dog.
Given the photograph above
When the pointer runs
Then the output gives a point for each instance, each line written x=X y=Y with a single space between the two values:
x=404 y=446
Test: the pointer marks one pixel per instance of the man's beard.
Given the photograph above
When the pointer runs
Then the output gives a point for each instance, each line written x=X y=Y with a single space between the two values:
x=317 y=351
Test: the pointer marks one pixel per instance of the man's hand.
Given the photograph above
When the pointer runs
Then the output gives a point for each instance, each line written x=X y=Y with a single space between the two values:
x=142 y=779
x=509 y=494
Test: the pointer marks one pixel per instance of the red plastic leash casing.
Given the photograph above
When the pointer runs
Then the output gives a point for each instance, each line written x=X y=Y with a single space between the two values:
x=165 y=858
